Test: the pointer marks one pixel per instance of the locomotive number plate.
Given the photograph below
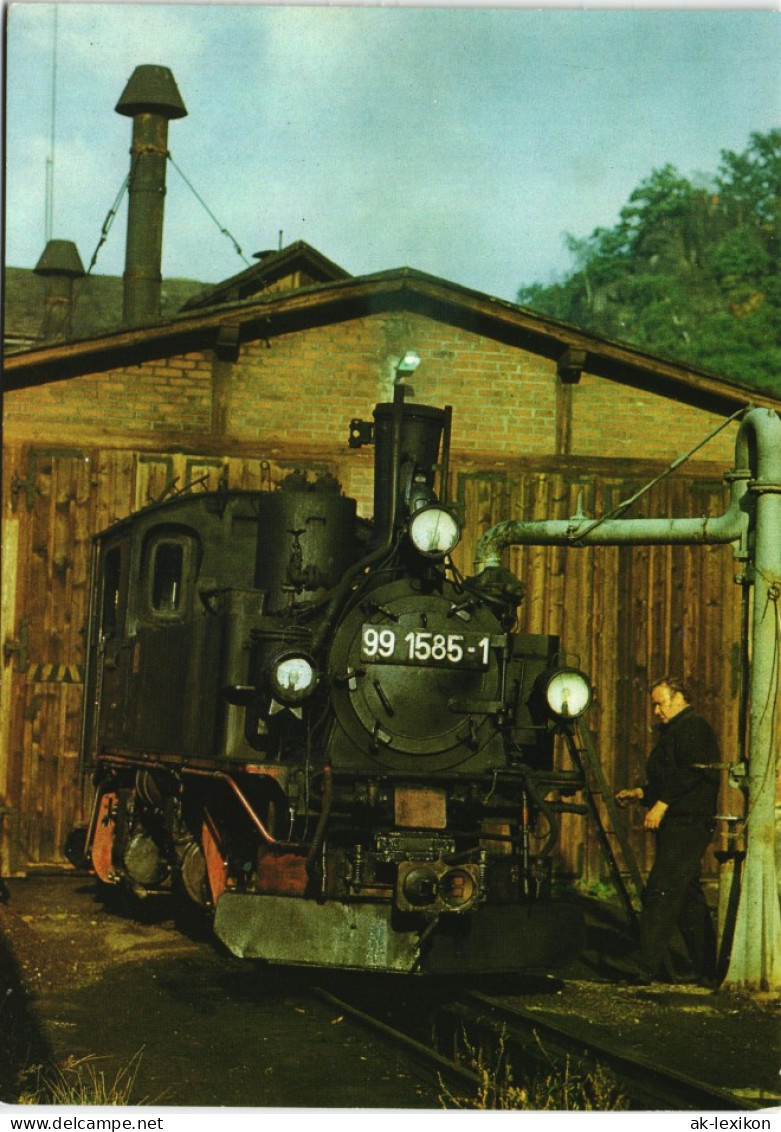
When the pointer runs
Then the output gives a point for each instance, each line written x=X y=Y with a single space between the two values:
x=421 y=646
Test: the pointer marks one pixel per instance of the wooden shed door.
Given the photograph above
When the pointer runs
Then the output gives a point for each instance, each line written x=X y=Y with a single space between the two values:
x=44 y=656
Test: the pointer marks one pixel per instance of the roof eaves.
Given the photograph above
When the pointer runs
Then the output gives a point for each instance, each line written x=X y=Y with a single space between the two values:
x=604 y=357
x=278 y=312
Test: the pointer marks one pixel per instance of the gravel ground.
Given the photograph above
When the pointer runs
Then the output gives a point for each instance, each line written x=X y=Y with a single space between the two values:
x=79 y=979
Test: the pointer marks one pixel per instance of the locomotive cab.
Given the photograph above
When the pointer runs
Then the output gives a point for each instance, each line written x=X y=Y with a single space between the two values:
x=158 y=628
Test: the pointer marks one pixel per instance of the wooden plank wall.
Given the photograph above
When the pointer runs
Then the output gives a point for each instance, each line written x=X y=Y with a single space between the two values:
x=54 y=501
x=624 y=615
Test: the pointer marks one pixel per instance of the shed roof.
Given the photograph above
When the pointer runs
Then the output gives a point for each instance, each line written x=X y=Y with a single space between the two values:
x=298 y=260
x=97 y=304
x=267 y=314
x=98 y=299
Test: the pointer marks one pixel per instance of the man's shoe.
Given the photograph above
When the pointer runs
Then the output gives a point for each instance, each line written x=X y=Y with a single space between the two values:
x=641 y=979
x=630 y=972
x=710 y=982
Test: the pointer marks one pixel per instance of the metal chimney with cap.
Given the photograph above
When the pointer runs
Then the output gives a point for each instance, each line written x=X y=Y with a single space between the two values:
x=60 y=265
x=150 y=98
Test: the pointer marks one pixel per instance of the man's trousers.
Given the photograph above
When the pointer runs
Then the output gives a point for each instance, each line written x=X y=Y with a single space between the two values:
x=674 y=898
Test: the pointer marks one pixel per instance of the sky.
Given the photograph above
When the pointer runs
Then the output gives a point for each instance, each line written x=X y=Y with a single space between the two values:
x=464 y=142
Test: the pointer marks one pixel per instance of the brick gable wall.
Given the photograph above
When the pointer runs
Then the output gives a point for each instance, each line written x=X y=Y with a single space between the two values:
x=300 y=390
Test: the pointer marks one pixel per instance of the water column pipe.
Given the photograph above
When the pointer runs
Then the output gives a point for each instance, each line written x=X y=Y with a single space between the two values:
x=752 y=523
x=755 y=959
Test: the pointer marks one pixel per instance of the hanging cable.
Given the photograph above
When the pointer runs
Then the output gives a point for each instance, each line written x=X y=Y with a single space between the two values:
x=109 y=221
x=205 y=206
x=112 y=212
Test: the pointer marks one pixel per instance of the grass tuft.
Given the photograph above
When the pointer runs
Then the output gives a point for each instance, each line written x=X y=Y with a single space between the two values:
x=80 y=1081
x=560 y=1090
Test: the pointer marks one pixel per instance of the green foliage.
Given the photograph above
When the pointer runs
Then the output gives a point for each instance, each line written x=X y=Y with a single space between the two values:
x=690 y=273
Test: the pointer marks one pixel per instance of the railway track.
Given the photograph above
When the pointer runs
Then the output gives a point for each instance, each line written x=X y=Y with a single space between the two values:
x=477 y=1021
x=646 y=1083
x=449 y=1067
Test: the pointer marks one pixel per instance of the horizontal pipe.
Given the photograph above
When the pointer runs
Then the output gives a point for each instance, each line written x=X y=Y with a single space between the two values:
x=582 y=531
x=757 y=459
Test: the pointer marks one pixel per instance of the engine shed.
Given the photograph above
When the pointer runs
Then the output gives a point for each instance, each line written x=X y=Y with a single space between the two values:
x=260 y=376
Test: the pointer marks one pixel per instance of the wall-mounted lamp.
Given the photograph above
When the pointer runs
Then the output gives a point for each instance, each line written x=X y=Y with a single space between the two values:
x=406 y=365
x=409 y=363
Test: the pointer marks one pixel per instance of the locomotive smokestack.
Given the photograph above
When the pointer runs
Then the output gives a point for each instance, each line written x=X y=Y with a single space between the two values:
x=150 y=98
x=60 y=265
x=421 y=432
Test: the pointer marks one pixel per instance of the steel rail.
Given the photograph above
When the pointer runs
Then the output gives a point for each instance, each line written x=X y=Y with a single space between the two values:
x=428 y=1053
x=648 y=1083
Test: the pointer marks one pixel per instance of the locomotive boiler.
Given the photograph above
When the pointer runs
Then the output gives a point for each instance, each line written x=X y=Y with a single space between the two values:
x=314 y=727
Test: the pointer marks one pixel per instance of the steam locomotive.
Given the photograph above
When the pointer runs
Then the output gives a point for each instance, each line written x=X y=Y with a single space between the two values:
x=312 y=726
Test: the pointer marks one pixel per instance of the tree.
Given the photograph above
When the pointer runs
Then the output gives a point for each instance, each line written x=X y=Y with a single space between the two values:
x=688 y=272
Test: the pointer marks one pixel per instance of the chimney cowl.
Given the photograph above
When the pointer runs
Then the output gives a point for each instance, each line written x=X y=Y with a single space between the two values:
x=151 y=90
x=60 y=257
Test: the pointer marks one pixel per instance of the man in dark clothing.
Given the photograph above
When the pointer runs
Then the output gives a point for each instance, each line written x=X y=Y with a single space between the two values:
x=680 y=796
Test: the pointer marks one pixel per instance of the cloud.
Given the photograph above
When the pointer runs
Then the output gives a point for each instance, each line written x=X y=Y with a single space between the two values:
x=462 y=141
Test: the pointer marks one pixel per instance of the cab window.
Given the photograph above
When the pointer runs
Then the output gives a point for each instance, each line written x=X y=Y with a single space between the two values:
x=167 y=576
x=169 y=562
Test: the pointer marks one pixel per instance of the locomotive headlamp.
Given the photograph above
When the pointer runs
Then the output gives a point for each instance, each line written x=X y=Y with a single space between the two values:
x=458 y=889
x=292 y=676
x=567 y=693
x=420 y=886
x=433 y=531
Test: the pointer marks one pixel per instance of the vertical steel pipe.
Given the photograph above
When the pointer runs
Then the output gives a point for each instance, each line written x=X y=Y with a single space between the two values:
x=150 y=98
x=755 y=960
